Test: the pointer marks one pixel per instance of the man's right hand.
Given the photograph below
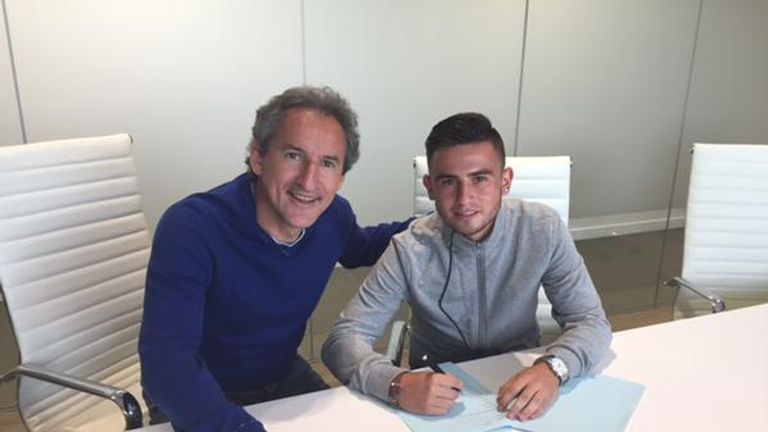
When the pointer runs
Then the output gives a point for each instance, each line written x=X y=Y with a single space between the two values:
x=428 y=393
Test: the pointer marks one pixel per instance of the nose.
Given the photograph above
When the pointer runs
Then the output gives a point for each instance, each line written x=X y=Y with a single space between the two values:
x=308 y=176
x=464 y=193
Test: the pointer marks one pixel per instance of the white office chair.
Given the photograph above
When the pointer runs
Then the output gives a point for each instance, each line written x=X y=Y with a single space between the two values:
x=725 y=253
x=74 y=247
x=545 y=180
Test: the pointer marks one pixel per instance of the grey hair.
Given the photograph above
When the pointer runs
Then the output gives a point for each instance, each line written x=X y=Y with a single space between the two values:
x=321 y=99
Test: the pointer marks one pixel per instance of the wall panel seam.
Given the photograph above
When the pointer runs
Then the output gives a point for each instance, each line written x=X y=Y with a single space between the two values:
x=515 y=149
x=675 y=172
x=13 y=74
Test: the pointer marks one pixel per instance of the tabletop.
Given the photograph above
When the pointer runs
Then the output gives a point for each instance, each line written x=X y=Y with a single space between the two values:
x=708 y=373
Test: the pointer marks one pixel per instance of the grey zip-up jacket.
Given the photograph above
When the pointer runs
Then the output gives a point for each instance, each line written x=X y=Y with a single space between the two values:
x=491 y=296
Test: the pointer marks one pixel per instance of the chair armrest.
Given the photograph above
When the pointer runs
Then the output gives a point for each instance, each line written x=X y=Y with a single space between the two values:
x=124 y=400
x=397 y=342
x=716 y=302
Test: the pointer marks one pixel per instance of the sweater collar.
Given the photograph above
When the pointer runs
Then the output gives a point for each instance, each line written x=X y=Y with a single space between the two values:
x=247 y=185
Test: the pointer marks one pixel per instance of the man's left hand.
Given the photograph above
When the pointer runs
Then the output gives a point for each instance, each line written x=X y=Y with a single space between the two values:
x=529 y=393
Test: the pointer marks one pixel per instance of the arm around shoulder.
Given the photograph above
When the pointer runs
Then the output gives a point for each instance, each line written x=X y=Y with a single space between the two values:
x=365 y=245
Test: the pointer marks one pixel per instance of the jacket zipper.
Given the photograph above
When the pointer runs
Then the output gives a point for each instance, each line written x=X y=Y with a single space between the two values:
x=482 y=324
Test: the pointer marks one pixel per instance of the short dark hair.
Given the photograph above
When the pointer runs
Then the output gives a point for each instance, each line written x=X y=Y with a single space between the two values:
x=464 y=128
x=324 y=100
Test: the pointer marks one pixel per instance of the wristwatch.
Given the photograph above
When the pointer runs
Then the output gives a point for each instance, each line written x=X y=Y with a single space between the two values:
x=556 y=365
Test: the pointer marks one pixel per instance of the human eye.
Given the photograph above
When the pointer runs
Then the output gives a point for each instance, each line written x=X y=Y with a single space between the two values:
x=292 y=155
x=447 y=182
x=481 y=178
x=330 y=163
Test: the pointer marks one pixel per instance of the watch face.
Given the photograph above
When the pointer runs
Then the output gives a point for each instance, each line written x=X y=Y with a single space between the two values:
x=556 y=365
x=559 y=367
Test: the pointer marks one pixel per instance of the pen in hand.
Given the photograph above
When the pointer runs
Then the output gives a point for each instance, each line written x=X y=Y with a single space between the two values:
x=432 y=365
x=436 y=368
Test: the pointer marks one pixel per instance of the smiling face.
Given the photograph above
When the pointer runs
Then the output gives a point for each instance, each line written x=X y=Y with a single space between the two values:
x=299 y=174
x=467 y=181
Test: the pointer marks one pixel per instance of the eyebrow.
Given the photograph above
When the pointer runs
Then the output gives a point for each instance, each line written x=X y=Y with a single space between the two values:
x=292 y=148
x=484 y=171
x=300 y=150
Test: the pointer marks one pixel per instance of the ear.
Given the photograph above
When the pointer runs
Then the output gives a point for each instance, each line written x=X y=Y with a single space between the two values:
x=255 y=159
x=427 y=182
x=506 y=180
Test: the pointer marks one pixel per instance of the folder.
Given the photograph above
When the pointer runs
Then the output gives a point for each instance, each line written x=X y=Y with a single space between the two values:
x=589 y=404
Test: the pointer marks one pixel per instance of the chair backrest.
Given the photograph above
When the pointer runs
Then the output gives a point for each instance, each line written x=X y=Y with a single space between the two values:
x=74 y=247
x=726 y=226
x=542 y=179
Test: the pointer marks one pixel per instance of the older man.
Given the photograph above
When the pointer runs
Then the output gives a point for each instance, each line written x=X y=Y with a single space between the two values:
x=235 y=272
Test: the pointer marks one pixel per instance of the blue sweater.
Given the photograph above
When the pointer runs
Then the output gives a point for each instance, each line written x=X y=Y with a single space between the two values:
x=225 y=307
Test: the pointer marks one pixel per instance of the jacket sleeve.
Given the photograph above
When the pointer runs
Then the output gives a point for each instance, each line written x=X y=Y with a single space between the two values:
x=348 y=350
x=575 y=305
x=174 y=376
x=364 y=245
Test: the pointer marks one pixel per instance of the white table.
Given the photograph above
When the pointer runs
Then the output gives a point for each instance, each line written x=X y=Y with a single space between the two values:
x=701 y=374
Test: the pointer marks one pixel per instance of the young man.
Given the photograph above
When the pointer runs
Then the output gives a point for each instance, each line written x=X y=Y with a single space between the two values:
x=235 y=272
x=471 y=274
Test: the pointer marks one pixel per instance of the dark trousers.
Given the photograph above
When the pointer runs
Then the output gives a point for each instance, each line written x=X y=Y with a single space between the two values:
x=301 y=379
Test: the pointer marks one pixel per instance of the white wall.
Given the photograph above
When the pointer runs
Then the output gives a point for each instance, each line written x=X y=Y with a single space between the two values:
x=405 y=65
x=10 y=126
x=603 y=81
x=729 y=88
x=182 y=77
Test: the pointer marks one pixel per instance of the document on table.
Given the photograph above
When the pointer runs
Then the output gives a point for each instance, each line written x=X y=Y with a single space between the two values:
x=594 y=404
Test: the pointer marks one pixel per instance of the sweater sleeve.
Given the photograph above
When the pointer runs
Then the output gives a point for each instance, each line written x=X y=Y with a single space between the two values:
x=364 y=245
x=348 y=350
x=173 y=375
x=575 y=305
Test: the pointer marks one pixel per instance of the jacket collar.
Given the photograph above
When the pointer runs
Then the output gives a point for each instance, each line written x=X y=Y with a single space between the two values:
x=494 y=238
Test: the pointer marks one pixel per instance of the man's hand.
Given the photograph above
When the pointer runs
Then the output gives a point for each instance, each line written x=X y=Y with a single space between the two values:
x=428 y=392
x=529 y=393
